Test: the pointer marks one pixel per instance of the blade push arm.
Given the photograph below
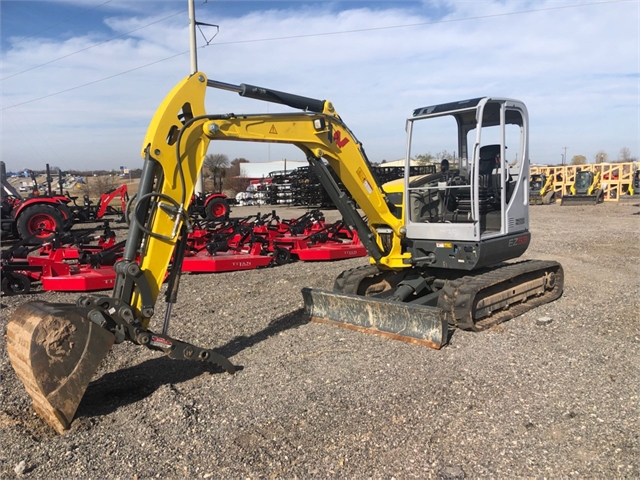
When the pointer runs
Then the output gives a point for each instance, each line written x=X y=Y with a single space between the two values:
x=548 y=185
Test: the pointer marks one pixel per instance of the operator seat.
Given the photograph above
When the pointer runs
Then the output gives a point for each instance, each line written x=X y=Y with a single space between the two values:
x=488 y=194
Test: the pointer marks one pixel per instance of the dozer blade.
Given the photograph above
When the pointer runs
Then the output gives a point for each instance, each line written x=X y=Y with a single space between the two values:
x=55 y=350
x=579 y=200
x=417 y=324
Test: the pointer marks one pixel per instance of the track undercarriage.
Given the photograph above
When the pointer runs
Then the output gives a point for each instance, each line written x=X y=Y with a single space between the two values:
x=425 y=305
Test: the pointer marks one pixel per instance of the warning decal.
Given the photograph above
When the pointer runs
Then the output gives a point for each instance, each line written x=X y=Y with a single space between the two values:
x=160 y=342
x=273 y=130
x=364 y=180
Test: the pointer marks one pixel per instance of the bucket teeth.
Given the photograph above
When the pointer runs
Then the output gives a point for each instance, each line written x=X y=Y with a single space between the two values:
x=55 y=351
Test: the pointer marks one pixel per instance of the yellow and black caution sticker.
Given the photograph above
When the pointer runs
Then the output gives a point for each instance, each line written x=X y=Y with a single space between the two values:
x=364 y=180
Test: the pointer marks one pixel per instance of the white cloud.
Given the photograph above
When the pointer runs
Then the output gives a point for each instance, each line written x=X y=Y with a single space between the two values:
x=575 y=68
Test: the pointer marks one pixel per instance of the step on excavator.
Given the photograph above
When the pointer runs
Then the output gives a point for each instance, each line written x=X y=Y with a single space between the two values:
x=438 y=247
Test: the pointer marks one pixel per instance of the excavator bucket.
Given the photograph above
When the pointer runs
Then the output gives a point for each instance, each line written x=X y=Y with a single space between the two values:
x=55 y=350
x=417 y=324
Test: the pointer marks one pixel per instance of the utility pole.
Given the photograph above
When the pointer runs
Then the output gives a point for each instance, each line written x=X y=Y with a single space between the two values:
x=564 y=157
x=192 y=37
x=193 y=47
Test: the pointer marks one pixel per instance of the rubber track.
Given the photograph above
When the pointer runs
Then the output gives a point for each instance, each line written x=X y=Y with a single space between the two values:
x=349 y=280
x=457 y=297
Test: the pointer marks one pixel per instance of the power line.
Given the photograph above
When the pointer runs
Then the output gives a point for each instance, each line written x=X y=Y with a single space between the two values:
x=91 y=46
x=453 y=20
x=96 y=81
x=40 y=140
x=480 y=17
x=62 y=21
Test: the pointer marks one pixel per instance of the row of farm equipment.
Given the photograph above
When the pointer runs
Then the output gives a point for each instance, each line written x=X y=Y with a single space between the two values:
x=47 y=210
x=585 y=185
x=84 y=260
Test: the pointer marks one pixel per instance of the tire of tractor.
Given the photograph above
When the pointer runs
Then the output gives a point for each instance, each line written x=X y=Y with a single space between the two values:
x=282 y=256
x=217 y=209
x=15 y=284
x=40 y=216
x=67 y=216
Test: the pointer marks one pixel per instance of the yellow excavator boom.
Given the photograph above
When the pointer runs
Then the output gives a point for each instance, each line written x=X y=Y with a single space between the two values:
x=324 y=136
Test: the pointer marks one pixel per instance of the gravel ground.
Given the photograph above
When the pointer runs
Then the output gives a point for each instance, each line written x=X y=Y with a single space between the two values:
x=313 y=400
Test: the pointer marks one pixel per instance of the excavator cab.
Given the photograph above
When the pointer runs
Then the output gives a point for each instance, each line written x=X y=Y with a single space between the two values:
x=583 y=183
x=536 y=182
x=480 y=201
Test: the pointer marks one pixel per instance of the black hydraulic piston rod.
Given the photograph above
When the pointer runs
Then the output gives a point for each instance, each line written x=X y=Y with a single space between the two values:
x=273 y=96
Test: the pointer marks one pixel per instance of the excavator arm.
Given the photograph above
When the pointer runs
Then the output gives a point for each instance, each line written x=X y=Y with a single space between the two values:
x=55 y=349
x=548 y=185
x=595 y=185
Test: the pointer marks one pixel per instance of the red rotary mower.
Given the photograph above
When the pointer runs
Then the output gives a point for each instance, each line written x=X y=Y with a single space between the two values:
x=68 y=263
x=265 y=240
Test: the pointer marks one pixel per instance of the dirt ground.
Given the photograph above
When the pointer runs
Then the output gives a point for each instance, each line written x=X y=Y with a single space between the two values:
x=313 y=400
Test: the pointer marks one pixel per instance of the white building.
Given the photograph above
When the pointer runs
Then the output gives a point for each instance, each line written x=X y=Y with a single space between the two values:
x=262 y=169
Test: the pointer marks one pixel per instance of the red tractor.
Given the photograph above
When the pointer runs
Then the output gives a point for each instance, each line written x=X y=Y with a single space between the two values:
x=37 y=216
x=214 y=206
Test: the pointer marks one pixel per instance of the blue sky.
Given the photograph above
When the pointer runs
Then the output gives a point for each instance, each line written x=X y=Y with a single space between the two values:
x=81 y=79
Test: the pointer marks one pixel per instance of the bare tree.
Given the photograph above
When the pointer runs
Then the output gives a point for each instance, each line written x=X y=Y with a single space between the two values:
x=578 y=160
x=216 y=163
x=602 y=157
x=625 y=155
x=103 y=184
x=94 y=187
x=424 y=158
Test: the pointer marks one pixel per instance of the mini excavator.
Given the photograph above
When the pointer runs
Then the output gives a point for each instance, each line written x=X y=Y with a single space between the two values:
x=438 y=245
